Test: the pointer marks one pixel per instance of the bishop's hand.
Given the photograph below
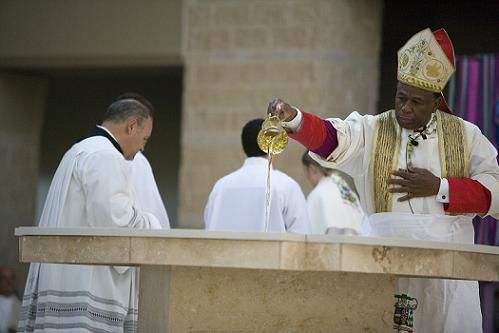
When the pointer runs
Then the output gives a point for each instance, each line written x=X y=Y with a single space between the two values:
x=415 y=182
x=281 y=109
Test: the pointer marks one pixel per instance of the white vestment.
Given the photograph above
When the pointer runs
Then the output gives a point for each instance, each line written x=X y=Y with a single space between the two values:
x=146 y=190
x=333 y=205
x=353 y=155
x=91 y=188
x=237 y=201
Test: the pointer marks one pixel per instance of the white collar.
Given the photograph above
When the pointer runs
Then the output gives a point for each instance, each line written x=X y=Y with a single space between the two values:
x=256 y=161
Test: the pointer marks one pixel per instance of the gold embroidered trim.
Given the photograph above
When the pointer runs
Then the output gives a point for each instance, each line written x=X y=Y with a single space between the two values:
x=384 y=159
x=452 y=145
x=415 y=82
x=422 y=63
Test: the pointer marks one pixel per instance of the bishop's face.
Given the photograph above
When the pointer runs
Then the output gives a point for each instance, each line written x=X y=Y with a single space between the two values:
x=414 y=106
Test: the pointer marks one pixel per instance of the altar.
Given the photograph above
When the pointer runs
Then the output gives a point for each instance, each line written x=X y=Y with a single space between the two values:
x=202 y=281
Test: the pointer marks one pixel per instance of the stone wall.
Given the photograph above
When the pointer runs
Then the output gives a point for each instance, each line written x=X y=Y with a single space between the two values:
x=90 y=33
x=321 y=56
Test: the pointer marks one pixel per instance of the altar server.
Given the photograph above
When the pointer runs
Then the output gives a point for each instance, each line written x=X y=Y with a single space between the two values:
x=237 y=201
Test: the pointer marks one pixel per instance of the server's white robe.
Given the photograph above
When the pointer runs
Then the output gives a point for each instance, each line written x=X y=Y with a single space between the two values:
x=146 y=190
x=91 y=188
x=237 y=201
x=444 y=305
x=333 y=206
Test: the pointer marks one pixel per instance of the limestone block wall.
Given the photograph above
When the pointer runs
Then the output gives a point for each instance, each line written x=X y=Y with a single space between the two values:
x=321 y=56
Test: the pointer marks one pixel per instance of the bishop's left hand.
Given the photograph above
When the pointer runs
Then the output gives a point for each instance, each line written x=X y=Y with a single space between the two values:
x=415 y=182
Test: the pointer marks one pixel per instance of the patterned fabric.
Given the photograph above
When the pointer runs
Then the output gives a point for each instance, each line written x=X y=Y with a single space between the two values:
x=423 y=63
x=473 y=94
x=78 y=309
x=347 y=194
x=453 y=149
x=383 y=160
x=53 y=309
x=403 y=315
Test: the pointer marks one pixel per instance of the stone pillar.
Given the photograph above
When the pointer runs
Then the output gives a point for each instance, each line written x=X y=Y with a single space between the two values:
x=321 y=56
x=22 y=102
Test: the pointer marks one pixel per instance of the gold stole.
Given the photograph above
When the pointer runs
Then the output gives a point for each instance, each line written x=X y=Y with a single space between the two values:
x=452 y=146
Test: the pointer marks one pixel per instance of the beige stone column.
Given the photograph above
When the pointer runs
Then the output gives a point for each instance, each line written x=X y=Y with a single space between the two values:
x=22 y=102
x=321 y=56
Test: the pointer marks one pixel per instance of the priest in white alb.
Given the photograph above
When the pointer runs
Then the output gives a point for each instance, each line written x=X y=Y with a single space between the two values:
x=145 y=188
x=92 y=188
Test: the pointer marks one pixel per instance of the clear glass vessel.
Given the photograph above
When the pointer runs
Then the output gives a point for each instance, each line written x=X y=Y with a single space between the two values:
x=272 y=138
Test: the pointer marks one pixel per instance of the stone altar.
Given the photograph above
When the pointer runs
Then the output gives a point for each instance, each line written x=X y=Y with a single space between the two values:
x=201 y=281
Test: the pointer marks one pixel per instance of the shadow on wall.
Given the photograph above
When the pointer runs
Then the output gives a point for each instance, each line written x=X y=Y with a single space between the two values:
x=77 y=100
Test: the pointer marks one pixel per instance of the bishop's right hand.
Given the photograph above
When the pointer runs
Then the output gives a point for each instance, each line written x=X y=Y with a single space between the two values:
x=281 y=109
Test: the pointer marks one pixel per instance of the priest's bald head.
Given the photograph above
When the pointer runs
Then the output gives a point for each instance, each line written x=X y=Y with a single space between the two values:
x=130 y=121
x=249 y=136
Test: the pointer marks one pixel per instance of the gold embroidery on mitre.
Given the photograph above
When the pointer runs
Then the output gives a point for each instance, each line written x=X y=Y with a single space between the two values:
x=384 y=159
x=423 y=64
x=452 y=145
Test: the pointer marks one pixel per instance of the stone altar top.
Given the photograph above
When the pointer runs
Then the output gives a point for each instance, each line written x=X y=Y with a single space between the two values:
x=275 y=251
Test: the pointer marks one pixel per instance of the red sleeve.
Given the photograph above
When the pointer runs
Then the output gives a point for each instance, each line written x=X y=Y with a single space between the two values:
x=316 y=135
x=467 y=196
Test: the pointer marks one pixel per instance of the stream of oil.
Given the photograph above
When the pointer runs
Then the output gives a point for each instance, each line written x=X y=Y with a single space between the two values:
x=275 y=142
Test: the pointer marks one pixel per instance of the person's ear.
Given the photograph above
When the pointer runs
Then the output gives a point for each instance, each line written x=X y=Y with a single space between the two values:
x=131 y=126
x=315 y=169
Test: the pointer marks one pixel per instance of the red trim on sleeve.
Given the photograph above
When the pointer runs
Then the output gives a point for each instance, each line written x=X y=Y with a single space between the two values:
x=312 y=133
x=467 y=196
